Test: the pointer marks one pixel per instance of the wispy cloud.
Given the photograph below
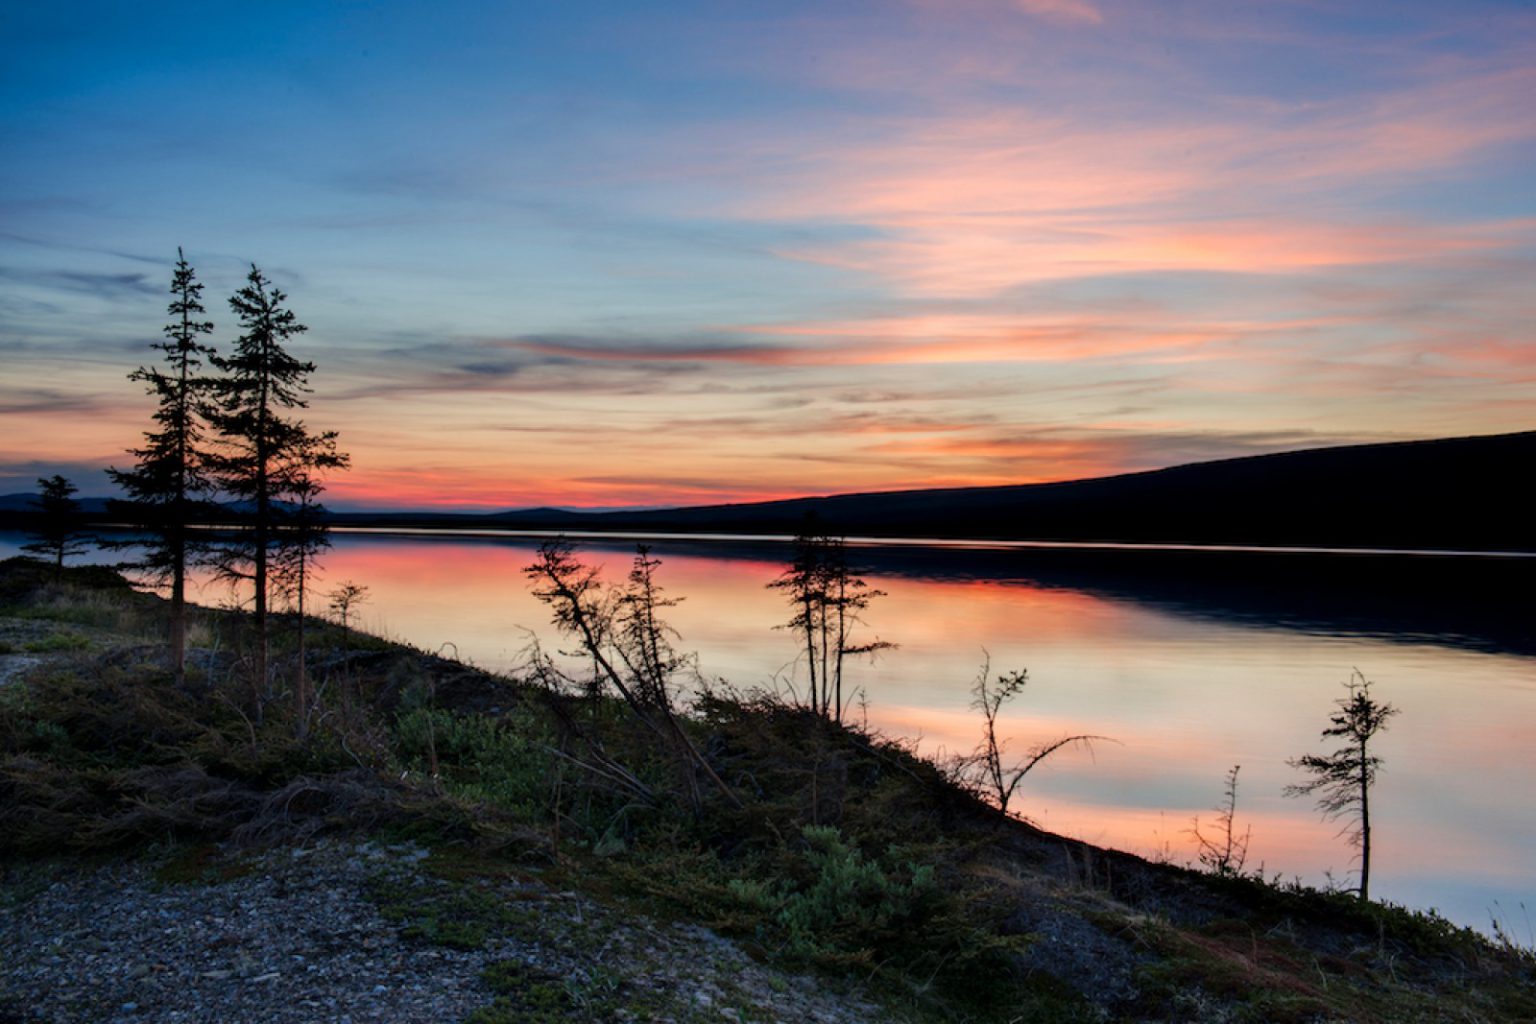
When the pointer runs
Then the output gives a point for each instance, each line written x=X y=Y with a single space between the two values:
x=102 y=285
x=980 y=187
x=21 y=401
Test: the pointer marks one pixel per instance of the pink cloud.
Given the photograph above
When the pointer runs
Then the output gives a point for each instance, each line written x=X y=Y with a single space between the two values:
x=1062 y=10
x=968 y=198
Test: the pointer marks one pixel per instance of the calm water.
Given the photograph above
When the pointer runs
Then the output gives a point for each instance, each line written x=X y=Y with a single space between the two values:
x=1191 y=663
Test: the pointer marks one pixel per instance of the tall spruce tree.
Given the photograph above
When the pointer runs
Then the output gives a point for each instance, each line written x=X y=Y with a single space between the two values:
x=170 y=475
x=267 y=456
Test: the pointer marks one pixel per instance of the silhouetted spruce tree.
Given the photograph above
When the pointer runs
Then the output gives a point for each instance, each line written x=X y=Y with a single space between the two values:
x=57 y=533
x=263 y=448
x=1343 y=779
x=170 y=476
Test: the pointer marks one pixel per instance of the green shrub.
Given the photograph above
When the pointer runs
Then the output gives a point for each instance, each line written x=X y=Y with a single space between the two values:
x=480 y=758
x=849 y=908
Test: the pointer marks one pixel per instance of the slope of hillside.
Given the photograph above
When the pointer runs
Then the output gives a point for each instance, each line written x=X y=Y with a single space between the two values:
x=1458 y=493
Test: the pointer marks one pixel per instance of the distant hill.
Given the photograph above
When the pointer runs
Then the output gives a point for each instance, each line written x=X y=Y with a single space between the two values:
x=1465 y=493
x=1469 y=493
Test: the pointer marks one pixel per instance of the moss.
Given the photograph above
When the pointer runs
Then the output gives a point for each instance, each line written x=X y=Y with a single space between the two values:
x=528 y=994
x=459 y=915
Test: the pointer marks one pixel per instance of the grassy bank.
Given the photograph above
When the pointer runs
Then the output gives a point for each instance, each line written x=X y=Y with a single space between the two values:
x=829 y=849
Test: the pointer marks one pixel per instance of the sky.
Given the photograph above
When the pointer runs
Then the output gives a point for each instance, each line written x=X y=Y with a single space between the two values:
x=613 y=254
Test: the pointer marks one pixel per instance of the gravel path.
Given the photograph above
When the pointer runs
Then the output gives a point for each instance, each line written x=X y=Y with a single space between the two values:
x=297 y=937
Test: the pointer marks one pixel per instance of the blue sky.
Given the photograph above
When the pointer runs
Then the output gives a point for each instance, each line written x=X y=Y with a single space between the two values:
x=616 y=253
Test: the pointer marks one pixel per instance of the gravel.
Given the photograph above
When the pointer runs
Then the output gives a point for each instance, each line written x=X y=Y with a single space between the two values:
x=296 y=937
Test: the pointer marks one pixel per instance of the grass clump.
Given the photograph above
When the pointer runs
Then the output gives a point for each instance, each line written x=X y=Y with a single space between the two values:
x=62 y=641
x=503 y=761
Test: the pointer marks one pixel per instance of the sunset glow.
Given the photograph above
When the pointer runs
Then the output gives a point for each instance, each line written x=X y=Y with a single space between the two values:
x=682 y=254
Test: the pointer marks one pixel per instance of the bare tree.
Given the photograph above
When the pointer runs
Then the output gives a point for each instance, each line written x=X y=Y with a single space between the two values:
x=622 y=633
x=985 y=768
x=1228 y=852
x=1343 y=779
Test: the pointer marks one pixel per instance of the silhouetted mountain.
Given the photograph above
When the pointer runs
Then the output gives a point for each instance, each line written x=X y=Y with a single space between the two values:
x=1457 y=493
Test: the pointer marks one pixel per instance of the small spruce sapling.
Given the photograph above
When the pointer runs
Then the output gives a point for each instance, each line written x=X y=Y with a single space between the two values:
x=343 y=601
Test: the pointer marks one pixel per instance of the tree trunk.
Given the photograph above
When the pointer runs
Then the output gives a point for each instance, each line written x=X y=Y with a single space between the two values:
x=260 y=608
x=1365 y=826
x=263 y=522
x=301 y=682
x=179 y=605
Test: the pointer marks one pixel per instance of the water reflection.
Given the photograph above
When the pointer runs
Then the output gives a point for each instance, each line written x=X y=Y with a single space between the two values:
x=1192 y=665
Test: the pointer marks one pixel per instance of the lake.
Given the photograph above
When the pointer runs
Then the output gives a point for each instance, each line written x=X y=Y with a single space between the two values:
x=1190 y=662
